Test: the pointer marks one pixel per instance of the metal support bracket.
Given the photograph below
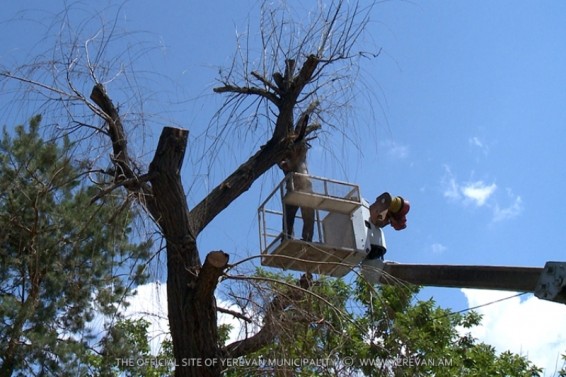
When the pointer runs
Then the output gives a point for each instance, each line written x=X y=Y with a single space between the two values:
x=552 y=282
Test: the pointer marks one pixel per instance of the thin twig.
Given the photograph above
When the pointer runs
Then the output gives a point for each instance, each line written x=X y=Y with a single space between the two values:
x=125 y=182
x=234 y=314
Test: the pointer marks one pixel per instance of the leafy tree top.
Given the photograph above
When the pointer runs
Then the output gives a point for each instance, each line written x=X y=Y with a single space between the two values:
x=62 y=259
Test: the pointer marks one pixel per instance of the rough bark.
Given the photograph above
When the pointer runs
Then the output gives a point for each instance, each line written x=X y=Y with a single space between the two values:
x=115 y=131
x=237 y=183
x=190 y=285
x=190 y=289
x=290 y=88
x=183 y=262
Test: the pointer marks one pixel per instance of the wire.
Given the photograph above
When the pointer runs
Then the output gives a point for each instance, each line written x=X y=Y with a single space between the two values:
x=492 y=302
x=482 y=305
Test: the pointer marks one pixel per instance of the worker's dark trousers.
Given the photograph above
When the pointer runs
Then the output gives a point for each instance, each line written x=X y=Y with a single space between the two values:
x=308 y=221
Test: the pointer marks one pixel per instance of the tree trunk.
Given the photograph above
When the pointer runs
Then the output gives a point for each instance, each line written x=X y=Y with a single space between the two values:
x=192 y=319
x=190 y=286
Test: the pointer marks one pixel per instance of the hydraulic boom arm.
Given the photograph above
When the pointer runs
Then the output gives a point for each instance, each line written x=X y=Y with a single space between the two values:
x=547 y=283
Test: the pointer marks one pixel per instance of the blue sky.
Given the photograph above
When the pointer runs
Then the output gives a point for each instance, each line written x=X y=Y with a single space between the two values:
x=467 y=120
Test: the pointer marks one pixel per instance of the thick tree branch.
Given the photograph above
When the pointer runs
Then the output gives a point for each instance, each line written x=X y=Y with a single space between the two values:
x=291 y=89
x=234 y=314
x=213 y=267
x=272 y=321
x=190 y=288
x=301 y=128
x=284 y=124
x=115 y=130
x=269 y=155
x=127 y=182
x=269 y=330
x=305 y=74
x=248 y=91
x=260 y=339
x=236 y=184
x=125 y=175
x=278 y=78
x=266 y=82
x=170 y=209
x=290 y=65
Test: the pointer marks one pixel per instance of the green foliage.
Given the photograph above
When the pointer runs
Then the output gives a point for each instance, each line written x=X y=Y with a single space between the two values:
x=360 y=330
x=314 y=327
x=224 y=333
x=126 y=352
x=62 y=259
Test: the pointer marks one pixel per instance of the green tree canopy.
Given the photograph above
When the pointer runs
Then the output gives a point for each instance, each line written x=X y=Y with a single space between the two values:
x=360 y=330
x=62 y=259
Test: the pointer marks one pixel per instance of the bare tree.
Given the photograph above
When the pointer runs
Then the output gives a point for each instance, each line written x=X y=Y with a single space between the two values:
x=300 y=83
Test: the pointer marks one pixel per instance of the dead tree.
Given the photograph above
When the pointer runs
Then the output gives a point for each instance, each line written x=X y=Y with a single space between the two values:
x=191 y=283
x=291 y=84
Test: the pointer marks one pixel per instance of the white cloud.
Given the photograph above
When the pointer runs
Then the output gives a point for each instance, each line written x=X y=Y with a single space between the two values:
x=481 y=194
x=150 y=303
x=452 y=191
x=438 y=248
x=395 y=150
x=531 y=327
x=451 y=187
x=476 y=142
x=478 y=192
x=514 y=210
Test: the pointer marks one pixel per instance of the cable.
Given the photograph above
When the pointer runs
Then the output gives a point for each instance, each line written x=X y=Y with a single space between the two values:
x=482 y=305
x=492 y=302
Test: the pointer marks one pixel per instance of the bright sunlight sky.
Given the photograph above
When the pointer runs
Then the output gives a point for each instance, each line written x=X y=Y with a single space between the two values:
x=468 y=120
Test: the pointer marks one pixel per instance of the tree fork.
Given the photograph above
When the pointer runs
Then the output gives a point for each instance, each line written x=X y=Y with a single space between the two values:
x=190 y=285
x=192 y=317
